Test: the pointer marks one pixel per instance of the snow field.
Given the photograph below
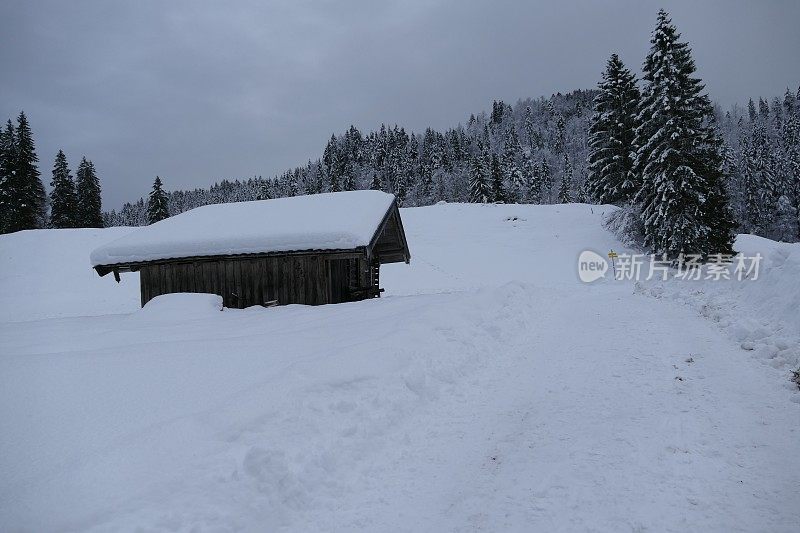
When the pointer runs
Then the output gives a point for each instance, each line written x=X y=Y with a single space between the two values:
x=488 y=390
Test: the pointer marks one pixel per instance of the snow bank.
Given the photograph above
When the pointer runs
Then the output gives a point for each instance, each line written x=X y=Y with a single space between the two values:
x=763 y=315
x=46 y=274
x=329 y=221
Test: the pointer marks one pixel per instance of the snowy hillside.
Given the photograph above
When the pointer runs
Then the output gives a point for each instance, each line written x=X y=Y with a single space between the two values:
x=489 y=389
x=47 y=274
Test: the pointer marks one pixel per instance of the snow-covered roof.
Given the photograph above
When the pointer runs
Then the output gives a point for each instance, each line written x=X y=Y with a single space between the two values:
x=330 y=221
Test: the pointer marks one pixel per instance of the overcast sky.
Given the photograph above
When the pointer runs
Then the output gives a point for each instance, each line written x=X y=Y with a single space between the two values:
x=199 y=91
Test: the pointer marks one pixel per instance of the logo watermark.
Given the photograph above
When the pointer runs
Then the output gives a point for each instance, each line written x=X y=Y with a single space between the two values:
x=645 y=267
x=591 y=266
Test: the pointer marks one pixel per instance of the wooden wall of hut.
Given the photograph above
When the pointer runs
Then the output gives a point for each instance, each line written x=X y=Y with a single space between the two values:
x=311 y=279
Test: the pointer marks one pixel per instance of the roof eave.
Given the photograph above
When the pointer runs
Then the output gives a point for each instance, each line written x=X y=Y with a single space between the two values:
x=135 y=266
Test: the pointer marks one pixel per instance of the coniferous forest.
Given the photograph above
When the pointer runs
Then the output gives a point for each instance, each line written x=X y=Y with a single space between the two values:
x=691 y=171
x=24 y=204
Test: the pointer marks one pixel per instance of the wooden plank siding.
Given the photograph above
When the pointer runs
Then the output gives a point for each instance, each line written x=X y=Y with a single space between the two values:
x=312 y=279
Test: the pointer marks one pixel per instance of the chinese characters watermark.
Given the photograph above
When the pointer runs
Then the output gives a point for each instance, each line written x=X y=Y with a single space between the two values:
x=645 y=267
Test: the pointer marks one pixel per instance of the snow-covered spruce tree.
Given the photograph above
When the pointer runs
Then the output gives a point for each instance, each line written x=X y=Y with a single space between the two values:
x=510 y=167
x=157 y=203
x=265 y=190
x=479 y=189
x=760 y=185
x=530 y=130
x=684 y=205
x=89 y=213
x=401 y=188
x=546 y=181
x=793 y=194
x=332 y=164
x=8 y=152
x=745 y=189
x=784 y=225
x=348 y=177
x=533 y=181
x=582 y=195
x=292 y=183
x=402 y=170
x=564 y=194
x=718 y=213
x=498 y=187
x=790 y=141
x=560 y=142
x=25 y=192
x=315 y=178
x=63 y=201
x=431 y=157
x=375 y=183
x=611 y=179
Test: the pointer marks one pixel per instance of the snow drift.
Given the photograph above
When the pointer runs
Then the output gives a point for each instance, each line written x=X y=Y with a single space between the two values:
x=762 y=315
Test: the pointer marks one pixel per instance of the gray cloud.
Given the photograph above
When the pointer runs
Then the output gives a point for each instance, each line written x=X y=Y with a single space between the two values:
x=199 y=91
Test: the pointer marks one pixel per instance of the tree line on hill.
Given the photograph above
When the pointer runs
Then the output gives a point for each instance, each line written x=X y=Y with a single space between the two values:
x=72 y=203
x=691 y=173
x=533 y=136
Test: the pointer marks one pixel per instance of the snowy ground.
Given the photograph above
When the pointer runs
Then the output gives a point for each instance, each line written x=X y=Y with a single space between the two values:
x=488 y=390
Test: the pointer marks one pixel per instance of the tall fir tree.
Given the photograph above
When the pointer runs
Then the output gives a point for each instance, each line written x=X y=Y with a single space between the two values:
x=25 y=193
x=530 y=129
x=790 y=141
x=751 y=188
x=265 y=190
x=565 y=189
x=157 y=203
x=718 y=213
x=292 y=183
x=761 y=186
x=498 y=187
x=546 y=178
x=375 y=183
x=63 y=201
x=533 y=181
x=8 y=154
x=333 y=164
x=784 y=227
x=480 y=190
x=89 y=204
x=401 y=187
x=611 y=178
x=315 y=177
x=683 y=200
x=560 y=142
x=348 y=177
x=512 y=149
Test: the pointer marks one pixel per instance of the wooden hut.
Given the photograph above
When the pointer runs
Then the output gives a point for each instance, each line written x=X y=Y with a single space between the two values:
x=315 y=249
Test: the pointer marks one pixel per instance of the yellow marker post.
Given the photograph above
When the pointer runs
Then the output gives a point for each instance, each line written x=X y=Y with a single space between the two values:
x=612 y=255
